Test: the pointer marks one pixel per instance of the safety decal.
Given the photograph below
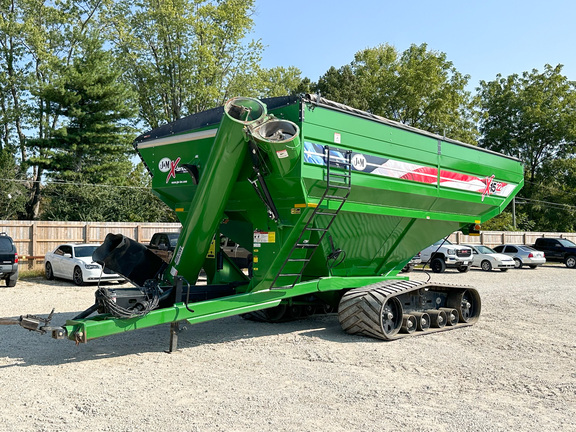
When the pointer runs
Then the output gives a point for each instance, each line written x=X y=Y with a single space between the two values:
x=264 y=237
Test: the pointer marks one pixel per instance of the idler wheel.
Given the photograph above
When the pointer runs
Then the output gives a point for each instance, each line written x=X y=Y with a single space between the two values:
x=409 y=324
x=391 y=317
x=467 y=303
x=422 y=320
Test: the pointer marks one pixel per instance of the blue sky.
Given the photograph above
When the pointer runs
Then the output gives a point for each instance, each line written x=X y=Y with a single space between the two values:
x=481 y=38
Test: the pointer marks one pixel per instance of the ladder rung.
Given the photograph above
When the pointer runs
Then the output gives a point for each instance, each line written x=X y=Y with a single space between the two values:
x=335 y=197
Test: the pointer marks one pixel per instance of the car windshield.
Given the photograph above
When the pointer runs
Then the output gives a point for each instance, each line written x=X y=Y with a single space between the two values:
x=485 y=249
x=84 y=251
x=173 y=239
x=566 y=243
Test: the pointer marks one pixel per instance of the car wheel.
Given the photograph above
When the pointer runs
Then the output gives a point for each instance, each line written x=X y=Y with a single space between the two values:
x=77 y=277
x=11 y=280
x=517 y=263
x=486 y=265
x=464 y=268
x=407 y=268
x=49 y=273
x=570 y=261
x=438 y=265
x=532 y=266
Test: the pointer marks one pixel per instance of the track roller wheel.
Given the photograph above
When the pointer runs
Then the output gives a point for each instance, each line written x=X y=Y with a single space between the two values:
x=408 y=324
x=437 y=318
x=452 y=316
x=422 y=320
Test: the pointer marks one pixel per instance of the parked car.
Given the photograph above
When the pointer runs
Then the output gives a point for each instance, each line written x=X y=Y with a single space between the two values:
x=163 y=244
x=443 y=254
x=557 y=249
x=8 y=260
x=74 y=262
x=412 y=263
x=522 y=255
x=488 y=259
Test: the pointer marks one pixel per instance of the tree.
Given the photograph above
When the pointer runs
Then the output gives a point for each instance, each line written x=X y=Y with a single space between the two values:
x=91 y=141
x=551 y=205
x=13 y=193
x=418 y=87
x=183 y=56
x=531 y=116
x=131 y=201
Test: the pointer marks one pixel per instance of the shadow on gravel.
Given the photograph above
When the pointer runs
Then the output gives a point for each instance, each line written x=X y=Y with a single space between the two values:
x=20 y=348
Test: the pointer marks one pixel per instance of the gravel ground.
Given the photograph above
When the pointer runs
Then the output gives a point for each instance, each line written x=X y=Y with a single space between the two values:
x=515 y=370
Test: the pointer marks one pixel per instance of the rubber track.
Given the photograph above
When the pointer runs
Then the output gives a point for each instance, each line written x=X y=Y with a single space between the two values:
x=360 y=308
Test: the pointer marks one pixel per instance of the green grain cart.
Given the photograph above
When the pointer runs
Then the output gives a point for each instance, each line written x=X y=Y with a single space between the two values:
x=331 y=202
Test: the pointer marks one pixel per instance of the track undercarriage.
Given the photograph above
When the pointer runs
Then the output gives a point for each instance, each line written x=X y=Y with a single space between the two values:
x=391 y=309
x=394 y=309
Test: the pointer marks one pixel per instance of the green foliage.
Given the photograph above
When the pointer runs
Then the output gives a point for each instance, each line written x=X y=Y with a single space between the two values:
x=552 y=206
x=418 y=87
x=531 y=116
x=505 y=222
x=132 y=201
x=184 y=56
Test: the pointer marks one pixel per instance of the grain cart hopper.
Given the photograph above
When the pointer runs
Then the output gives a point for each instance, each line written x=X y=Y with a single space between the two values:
x=332 y=202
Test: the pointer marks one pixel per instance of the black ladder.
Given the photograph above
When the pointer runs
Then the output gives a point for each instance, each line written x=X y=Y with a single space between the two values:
x=338 y=186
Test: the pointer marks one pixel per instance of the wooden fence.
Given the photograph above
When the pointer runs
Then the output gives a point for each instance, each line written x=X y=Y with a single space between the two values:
x=34 y=238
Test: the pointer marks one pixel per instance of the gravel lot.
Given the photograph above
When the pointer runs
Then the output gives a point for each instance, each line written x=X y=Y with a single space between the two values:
x=513 y=371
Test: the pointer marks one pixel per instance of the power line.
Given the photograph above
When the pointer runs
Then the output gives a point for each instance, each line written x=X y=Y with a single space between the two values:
x=63 y=183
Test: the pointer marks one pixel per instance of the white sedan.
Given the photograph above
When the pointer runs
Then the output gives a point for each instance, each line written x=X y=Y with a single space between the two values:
x=488 y=259
x=74 y=262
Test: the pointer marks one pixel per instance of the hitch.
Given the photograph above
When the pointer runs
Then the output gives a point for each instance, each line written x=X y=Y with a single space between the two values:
x=37 y=324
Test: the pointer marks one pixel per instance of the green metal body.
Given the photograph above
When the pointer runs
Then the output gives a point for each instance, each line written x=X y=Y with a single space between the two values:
x=408 y=189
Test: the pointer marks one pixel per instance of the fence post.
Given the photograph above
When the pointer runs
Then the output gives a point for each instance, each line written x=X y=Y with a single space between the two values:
x=138 y=233
x=33 y=235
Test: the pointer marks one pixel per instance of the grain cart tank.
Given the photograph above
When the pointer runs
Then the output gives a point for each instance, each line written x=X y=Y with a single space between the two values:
x=330 y=201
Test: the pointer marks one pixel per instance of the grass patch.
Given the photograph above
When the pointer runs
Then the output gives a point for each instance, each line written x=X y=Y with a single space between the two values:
x=29 y=274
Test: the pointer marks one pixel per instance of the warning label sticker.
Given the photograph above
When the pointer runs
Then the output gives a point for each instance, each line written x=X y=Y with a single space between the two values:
x=282 y=154
x=212 y=251
x=264 y=237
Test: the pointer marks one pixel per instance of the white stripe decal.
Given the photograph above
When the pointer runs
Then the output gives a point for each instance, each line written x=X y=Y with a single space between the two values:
x=178 y=138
